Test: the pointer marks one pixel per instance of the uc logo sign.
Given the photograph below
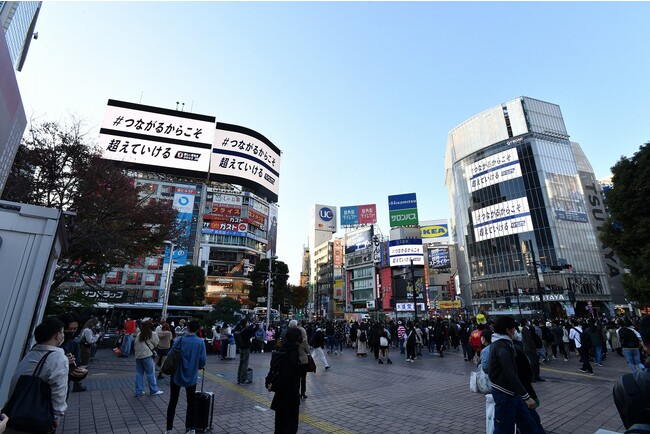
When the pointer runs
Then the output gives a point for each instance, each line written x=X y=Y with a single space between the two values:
x=183 y=201
x=326 y=214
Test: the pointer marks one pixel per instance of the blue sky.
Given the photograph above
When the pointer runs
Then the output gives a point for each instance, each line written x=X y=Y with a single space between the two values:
x=359 y=97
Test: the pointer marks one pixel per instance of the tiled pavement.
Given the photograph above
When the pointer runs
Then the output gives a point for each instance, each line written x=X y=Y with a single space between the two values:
x=356 y=396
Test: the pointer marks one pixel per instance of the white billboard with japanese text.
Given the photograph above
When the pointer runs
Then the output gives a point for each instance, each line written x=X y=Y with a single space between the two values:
x=493 y=169
x=405 y=250
x=245 y=157
x=505 y=218
x=157 y=139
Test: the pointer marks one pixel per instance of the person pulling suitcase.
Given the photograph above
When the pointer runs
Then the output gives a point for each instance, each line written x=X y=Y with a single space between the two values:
x=193 y=358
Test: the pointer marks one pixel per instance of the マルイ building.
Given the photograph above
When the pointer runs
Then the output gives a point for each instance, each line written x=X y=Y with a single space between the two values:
x=520 y=216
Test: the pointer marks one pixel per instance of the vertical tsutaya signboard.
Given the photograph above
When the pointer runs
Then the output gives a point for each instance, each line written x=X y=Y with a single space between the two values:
x=405 y=250
x=157 y=139
x=403 y=210
x=505 y=218
x=324 y=218
x=493 y=169
x=245 y=157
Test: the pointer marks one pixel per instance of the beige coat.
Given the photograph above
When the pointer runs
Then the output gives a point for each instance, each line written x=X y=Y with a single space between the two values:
x=303 y=347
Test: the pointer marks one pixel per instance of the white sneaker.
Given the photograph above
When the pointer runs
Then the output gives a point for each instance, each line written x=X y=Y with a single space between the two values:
x=160 y=392
x=192 y=431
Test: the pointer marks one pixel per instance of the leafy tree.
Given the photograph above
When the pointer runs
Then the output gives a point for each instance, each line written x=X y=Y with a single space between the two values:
x=110 y=221
x=299 y=296
x=279 y=277
x=627 y=230
x=188 y=286
x=224 y=310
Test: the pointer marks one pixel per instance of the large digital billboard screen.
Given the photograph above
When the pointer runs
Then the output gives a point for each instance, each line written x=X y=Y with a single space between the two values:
x=493 y=169
x=505 y=218
x=358 y=240
x=245 y=157
x=156 y=139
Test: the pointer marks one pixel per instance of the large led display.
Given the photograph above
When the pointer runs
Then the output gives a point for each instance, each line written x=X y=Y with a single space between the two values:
x=245 y=157
x=505 y=218
x=156 y=139
x=493 y=169
x=405 y=250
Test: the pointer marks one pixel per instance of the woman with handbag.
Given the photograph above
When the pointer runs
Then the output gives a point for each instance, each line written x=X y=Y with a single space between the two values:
x=88 y=339
x=145 y=343
x=164 y=343
x=384 y=349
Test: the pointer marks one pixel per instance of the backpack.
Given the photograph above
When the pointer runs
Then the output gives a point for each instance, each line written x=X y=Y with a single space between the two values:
x=273 y=381
x=362 y=336
x=632 y=403
x=475 y=339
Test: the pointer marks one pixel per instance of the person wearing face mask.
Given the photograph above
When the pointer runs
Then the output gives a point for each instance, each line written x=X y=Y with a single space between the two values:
x=71 y=349
x=49 y=337
x=513 y=403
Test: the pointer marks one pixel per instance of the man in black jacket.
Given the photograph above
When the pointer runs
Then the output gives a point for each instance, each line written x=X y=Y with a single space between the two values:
x=247 y=332
x=513 y=404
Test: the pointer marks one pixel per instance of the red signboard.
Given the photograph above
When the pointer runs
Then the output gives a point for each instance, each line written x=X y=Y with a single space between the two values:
x=338 y=253
x=225 y=226
x=256 y=217
x=218 y=218
x=367 y=214
x=226 y=211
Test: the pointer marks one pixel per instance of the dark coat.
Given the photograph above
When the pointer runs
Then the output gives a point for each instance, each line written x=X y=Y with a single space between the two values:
x=289 y=393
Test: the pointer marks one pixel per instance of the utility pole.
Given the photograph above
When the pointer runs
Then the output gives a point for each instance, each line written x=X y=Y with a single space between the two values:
x=268 y=293
x=415 y=298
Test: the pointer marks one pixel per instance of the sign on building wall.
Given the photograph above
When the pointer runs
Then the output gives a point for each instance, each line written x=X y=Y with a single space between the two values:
x=403 y=251
x=324 y=218
x=434 y=232
x=157 y=139
x=245 y=157
x=358 y=215
x=439 y=257
x=360 y=239
x=566 y=197
x=505 y=218
x=493 y=169
x=403 y=210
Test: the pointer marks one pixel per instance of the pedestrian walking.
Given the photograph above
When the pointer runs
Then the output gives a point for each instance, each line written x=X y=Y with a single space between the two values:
x=145 y=344
x=318 y=344
x=193 y=358
x=286 y=401
x=513 y=403
x=89 y=338
x=583 y=346
x=303 y=354
x=410 y=342
x=630 y=340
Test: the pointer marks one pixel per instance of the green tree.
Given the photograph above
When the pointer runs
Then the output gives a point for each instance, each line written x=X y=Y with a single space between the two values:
x=110 y=221
x=279 y=288
x=627 y=230
x=299 y=296
x=188 y=286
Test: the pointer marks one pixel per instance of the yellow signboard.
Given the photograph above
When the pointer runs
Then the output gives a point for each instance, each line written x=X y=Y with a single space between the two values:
x=448 y=304
x=434 y=231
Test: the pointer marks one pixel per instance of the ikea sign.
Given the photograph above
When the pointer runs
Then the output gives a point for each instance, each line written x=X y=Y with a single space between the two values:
x=434 y=231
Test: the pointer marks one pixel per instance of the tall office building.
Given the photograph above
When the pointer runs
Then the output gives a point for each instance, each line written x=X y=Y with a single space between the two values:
x=523 y=227
x=18 y=19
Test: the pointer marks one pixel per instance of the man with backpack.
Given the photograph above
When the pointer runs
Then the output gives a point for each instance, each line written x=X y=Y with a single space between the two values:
x=318 y=343
x=631 y=394
x=531 y=343
x=582 y=340
x=630 y=342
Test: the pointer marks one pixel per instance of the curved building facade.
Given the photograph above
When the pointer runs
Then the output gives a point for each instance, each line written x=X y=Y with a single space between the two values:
x=519 y=214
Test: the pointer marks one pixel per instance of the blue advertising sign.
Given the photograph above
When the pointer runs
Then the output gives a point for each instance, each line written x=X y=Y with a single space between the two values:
x=402 y=201
x=349 y=215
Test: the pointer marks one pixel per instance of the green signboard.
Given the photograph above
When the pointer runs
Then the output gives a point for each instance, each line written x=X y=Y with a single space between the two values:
x=404 y=217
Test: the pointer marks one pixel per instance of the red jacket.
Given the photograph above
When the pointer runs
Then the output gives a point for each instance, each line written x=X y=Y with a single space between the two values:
x=129 y=327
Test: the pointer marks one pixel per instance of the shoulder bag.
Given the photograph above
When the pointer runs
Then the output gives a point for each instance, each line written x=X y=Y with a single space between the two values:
x=173 y=360
x=154 y=354
x=30 y=406
x=311 y=365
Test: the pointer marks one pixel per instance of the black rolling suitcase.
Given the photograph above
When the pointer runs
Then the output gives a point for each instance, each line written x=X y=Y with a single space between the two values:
x=204 y=408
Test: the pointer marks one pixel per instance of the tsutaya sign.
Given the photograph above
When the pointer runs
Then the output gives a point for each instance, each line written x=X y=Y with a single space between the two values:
x=549 y=297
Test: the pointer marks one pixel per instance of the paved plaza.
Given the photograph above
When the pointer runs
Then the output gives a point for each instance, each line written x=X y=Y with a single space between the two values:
x=356 y=395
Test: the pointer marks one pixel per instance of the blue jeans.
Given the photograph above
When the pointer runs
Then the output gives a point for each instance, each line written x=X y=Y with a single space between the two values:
x=633 y=359
x=511 y=409
x=330 y=344
x=401 y=346
x=126 y=345
x=142 y=367
x=598 y=353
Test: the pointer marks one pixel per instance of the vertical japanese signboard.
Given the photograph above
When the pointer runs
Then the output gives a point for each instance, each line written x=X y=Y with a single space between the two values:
x=403 y=210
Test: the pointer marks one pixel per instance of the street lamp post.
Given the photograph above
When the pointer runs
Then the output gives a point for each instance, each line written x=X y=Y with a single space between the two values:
x=268 y=293
x=168 y=279
x=539 y=286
